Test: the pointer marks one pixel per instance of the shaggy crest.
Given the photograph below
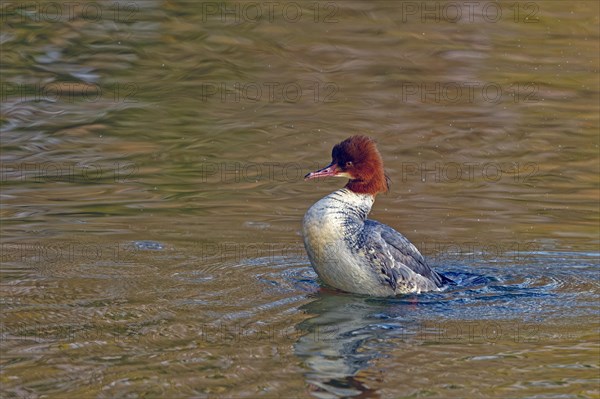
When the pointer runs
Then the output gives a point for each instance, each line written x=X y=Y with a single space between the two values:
x=359 y=158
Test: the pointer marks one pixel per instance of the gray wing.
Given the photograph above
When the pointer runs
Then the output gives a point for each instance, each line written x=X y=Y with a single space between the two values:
x=400 y=261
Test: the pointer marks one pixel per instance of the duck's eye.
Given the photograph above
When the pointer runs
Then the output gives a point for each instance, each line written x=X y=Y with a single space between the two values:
x=349 y=164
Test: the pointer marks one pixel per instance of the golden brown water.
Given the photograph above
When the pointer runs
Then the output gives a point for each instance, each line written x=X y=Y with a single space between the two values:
x=152 y=195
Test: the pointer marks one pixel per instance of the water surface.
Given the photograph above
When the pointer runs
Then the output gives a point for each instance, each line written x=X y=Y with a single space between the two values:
x=152 y=198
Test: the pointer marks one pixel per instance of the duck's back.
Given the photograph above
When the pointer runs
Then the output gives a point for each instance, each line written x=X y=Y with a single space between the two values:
x=403 y=266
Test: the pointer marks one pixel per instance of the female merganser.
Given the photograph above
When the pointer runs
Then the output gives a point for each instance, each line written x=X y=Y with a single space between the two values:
x=350 y=252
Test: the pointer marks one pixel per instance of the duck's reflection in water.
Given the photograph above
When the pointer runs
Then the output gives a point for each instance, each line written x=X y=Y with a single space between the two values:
x=342 y=338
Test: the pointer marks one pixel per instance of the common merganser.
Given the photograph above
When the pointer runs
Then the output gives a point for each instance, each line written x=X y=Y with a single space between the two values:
x=350 y=252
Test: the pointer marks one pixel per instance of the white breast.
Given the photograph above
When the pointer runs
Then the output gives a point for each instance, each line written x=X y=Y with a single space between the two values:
x=330 y=227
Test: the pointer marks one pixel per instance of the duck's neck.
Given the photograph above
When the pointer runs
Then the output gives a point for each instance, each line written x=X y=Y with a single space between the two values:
x=342 y=212
x=355 y=206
